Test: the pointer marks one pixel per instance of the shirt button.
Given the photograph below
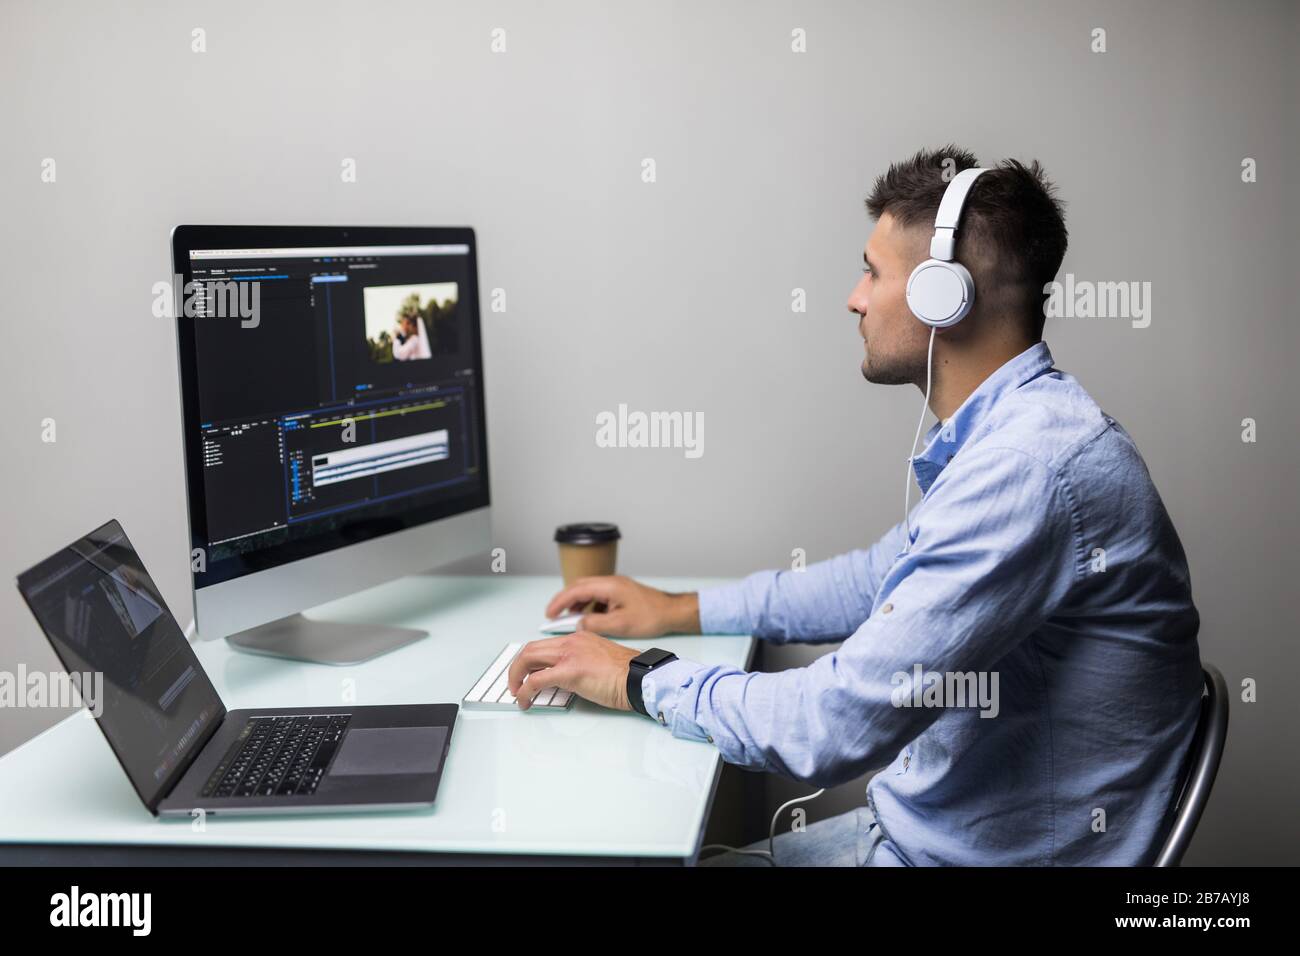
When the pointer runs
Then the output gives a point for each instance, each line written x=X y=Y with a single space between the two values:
x=708 y=738
x=886 y=608
x=661 y=719
x=907 y=759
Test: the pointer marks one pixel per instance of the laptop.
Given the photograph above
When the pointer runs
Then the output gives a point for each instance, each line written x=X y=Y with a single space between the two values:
x=180 y=747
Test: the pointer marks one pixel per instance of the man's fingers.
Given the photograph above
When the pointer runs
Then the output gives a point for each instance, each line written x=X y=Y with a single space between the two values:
x=577 y=595
x=533 y=656
x=581 y=593
x=537 y=681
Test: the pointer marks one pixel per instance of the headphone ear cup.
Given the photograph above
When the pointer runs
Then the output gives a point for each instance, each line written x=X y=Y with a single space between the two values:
x=940 y=293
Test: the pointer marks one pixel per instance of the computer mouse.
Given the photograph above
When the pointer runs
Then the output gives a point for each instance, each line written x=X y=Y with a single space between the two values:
x=565 y=624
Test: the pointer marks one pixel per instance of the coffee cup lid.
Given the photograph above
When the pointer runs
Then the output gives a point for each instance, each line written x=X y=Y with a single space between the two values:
x=589 y=532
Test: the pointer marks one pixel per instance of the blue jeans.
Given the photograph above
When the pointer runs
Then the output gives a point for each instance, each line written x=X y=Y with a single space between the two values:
x=849 y=839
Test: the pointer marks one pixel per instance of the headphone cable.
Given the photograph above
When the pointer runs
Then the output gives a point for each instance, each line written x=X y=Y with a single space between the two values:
x=769 y=855
x=925 y=407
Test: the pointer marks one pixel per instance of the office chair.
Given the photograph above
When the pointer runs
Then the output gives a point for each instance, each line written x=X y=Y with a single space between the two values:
x=1202 y=767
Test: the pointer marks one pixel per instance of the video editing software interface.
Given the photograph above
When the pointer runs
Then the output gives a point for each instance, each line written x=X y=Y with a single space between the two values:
x=348 y=395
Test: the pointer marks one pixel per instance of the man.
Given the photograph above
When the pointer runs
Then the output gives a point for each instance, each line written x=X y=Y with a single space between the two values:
x=1040 y=565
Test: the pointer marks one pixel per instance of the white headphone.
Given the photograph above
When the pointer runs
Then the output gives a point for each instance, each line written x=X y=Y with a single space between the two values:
x=940 y=291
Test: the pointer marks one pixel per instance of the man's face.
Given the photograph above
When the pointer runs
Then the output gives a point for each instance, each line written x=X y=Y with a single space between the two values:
x=895 y=340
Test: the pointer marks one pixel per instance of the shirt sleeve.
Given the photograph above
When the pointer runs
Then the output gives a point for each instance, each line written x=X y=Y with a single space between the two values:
x=995 y=552
x=826 y=601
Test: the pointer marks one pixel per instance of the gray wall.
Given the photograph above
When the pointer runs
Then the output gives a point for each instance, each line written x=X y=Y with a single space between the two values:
x=674 y=295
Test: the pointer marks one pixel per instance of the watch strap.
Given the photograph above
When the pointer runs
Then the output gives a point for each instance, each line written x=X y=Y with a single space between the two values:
x=637 y=668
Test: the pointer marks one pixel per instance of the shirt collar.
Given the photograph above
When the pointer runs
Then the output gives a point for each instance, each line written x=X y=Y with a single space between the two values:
x=945 y=439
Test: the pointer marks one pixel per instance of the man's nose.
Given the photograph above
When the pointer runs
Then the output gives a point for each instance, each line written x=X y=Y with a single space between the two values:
x=858 y=298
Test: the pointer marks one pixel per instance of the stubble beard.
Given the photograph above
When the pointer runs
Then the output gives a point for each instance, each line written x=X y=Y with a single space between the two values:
x=891 y=371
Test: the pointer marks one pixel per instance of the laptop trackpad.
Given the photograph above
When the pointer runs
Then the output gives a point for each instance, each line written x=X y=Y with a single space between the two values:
x=372 y=751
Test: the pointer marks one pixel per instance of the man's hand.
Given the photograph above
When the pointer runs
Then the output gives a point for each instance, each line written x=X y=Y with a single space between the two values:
x=632 y=609
x=585 y=663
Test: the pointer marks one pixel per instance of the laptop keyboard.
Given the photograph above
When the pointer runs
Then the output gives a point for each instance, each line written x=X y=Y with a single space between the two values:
x=278 y=757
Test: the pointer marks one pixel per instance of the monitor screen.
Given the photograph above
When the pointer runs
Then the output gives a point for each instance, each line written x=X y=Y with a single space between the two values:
x=332 y=388
x=103 y=615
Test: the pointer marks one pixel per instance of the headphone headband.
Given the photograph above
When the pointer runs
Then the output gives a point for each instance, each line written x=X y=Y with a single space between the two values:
x=940 y=291
x=944 y=244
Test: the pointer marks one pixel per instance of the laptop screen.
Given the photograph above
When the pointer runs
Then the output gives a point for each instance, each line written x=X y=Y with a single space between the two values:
x=126 y=655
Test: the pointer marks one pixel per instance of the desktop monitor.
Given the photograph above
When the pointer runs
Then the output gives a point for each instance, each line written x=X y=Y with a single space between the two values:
x=332 y=405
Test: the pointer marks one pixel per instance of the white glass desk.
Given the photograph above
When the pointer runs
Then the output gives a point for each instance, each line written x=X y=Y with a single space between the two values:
x=589 y=785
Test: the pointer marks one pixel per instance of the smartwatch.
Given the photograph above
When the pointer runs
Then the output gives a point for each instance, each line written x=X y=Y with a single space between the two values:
x=637 y=668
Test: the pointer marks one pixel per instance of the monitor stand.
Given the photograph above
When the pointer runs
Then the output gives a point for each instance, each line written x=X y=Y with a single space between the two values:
x=300 y=638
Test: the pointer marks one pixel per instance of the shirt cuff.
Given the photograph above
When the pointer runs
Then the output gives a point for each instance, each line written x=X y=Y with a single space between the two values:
x=662 y=692
x=722 y=610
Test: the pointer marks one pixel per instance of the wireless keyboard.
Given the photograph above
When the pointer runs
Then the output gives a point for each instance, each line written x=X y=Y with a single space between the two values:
x=492 y=690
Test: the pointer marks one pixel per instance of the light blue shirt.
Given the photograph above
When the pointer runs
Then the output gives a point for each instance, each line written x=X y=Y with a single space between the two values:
x=1044 y=572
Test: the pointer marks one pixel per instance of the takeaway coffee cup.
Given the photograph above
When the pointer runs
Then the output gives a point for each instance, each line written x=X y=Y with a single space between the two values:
x=589 y=549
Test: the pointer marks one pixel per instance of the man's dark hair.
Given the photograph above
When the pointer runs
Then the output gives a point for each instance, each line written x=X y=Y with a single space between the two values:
x=1012 y=216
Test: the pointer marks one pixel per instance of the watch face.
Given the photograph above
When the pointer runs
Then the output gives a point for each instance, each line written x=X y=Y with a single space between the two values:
x=654 y=657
